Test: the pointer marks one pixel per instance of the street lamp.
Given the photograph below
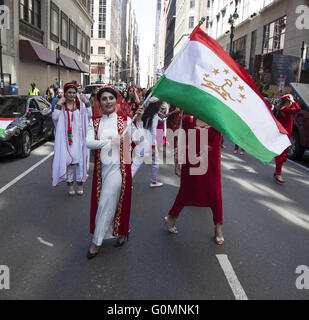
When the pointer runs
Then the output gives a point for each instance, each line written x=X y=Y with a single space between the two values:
x=231 y=21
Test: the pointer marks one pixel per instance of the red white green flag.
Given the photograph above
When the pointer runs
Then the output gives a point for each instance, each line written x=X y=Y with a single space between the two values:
x=206 y=82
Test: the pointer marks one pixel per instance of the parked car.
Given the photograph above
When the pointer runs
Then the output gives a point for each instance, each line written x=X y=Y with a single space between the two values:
x=24 y=121
x=88 y=89
x=300 y=134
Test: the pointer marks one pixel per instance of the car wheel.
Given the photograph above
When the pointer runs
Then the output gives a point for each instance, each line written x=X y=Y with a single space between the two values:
x=296 y=150
x=26 y=145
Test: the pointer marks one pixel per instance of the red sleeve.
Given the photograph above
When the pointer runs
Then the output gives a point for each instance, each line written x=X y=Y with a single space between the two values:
x=290 y=109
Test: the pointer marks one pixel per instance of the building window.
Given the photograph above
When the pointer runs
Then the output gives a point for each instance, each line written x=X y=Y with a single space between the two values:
x=72 y=35
x=88 y=47
x=91 y=50
x=239 y=50
x=274 y=35
x=84 y=49
x=79 y=40
x=101 y=50
x=208 y=3
x=64 y=29
x=92 y=18
x=30 y=11
x=102 y=19
x=191 y=22
x=54 y=22
x=192 y=4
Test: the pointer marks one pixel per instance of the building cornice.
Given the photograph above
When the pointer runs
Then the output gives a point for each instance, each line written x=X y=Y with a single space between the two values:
x=86 y=13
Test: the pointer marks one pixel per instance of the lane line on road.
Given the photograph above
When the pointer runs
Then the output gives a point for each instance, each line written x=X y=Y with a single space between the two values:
x=10 y=184
x=45 y=242
x=298 y=164
x=231 y=277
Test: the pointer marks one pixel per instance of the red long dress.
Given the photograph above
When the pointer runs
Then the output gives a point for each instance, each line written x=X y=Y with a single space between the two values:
x=285 y=117
x=201 y=190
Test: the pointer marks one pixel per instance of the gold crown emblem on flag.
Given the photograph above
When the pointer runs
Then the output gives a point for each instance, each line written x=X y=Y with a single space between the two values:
x=222 y=89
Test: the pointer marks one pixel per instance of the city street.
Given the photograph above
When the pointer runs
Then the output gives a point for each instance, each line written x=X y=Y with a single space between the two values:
x=45 y=236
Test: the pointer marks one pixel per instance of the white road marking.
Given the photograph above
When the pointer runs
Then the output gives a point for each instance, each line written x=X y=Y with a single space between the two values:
x=45 y=242
x=231 y=277
x=299 y=165
x=10 y=184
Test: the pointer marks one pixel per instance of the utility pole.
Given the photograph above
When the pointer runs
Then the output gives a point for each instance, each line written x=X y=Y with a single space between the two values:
x=58 y=63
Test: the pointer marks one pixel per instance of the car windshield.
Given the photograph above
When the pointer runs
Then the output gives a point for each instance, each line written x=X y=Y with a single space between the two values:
x=88 y=89
x=12 y=107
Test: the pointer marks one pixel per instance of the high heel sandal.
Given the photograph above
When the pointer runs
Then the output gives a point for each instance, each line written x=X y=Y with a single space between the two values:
x=218 y=240
x=120 y=243
x=172 y=229
x=71 y=191
x=277 y=179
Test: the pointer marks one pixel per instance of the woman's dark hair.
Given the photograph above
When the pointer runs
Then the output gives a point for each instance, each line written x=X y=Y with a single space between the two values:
x=107 y=89
x=283 y=101
x=128 y=96
x=149 y=112
x=148 y=93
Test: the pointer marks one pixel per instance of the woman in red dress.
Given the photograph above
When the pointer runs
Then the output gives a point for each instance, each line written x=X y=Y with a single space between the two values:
x=131 y=103
x=203 y=190
x=288 y=107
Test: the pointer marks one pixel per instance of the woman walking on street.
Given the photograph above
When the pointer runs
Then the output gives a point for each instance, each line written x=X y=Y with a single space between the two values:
x=149 y=146
x=112 y=180
x=71 y=117
x=288 y=107
x=204 y=189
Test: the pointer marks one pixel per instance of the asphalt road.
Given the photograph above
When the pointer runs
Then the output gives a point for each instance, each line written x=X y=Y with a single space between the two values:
x=45 y=236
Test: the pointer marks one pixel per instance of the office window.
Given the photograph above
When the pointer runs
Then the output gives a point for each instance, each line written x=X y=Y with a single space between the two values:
x=54 y=22
x=72 y=35
x=102 y=19
x=79 y=40
x=30 y=11
x=191 y=22
x=64 y=29
x=101 y=50
x=192 y=3
x=274 y=35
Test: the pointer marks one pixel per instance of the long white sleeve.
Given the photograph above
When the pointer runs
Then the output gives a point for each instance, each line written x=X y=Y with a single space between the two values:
x=136 y=131
x=91 y=142
x=56 y=114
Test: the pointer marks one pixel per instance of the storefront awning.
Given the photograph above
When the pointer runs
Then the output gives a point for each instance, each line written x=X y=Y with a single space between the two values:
x=82 y=67
x=32 y=51
x=68 y=62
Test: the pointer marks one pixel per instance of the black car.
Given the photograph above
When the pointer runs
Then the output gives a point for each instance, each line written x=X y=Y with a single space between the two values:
x=24 y=121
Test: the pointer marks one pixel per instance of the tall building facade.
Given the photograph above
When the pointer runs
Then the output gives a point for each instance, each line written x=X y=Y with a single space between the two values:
x=37 y=28
x=266 y=39
x=170 y=32
x=114 y=47
x=188 y=15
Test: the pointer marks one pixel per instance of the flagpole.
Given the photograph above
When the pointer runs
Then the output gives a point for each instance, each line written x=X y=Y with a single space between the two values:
x=136 y=115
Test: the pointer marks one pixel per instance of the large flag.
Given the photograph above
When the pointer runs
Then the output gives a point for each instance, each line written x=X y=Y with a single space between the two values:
x=206 y=82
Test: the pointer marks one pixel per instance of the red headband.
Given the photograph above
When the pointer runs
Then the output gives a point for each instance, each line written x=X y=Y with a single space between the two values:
x=69 y=85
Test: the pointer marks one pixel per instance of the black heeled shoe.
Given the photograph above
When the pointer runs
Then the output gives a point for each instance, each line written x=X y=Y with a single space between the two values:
x=91 y=255
x=120 y=243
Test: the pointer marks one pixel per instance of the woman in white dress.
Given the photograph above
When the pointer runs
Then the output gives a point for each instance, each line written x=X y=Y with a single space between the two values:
x=71 y=117
x=112 y=180
x=147 y=151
